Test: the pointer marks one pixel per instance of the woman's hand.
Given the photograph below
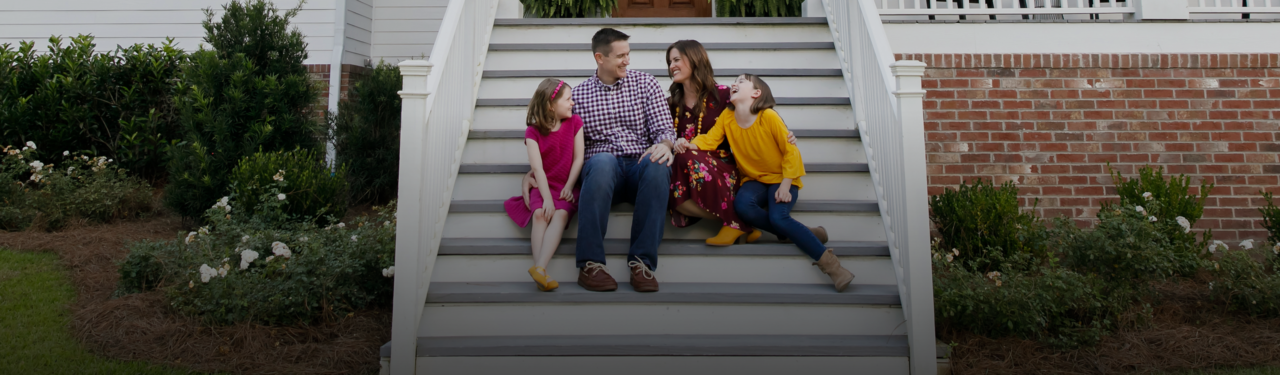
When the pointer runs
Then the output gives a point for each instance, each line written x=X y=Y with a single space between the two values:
x=682 y=145
x=527 y=184
x=548 y=209
x=567 y=194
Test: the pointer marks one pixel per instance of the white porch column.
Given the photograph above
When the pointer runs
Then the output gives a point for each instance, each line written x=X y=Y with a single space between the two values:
x=407 y=308
x=912 y=235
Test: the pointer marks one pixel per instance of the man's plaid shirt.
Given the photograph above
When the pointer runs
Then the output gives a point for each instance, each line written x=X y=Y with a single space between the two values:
x=623 y=119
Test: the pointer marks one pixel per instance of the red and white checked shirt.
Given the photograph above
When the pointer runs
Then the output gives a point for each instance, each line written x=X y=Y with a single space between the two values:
x=623 y=119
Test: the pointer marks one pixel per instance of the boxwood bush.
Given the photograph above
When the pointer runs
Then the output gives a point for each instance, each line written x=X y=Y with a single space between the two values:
x=985 y=226
x=312 y=190
x=367 y=134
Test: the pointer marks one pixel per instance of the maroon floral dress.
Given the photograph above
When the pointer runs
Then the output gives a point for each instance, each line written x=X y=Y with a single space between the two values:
x=709 y=178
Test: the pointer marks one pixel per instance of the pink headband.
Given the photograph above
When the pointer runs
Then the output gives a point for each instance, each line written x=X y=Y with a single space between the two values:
x=553 y=93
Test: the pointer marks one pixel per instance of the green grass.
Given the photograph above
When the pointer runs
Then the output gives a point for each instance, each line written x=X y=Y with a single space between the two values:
x=35 y=293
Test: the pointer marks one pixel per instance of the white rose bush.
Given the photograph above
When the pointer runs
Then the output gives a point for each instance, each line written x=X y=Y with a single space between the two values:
x=52 y=193
x=258 y=268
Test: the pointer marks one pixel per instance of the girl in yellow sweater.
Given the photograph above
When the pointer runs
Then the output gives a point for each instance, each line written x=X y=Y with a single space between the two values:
x=770 y=169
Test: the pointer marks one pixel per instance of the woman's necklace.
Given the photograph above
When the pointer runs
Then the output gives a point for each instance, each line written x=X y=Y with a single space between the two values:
x=704 y=111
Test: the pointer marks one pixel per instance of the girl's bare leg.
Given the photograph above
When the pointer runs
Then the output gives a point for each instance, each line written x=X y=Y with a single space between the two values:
x=551 y=239
x=691 y=209
x=539 y=230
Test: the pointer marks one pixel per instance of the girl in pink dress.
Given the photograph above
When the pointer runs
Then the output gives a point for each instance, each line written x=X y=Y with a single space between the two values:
x=555 y=144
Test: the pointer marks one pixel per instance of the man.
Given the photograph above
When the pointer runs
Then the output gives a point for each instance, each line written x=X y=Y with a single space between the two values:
x=629 y=132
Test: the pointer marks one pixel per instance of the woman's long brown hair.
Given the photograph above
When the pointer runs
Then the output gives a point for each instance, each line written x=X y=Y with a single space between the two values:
x=541 y=116
x=701 y=76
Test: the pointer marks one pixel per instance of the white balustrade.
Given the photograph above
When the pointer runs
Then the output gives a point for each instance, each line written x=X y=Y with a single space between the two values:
x=433 y=131
x=888 y=106
x=1234 y=6
x=1002 y=7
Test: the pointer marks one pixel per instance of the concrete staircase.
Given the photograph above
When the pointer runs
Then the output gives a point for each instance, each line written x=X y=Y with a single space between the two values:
x=746 y=309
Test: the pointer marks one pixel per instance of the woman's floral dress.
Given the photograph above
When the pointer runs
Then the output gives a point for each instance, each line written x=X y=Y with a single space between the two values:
x=709 y=178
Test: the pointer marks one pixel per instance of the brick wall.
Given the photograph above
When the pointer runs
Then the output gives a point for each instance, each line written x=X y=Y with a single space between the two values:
x=1051 y=122
x=320 y=75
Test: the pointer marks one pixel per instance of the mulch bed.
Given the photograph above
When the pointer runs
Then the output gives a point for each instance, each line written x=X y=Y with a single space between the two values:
x=141 y=327
x=1186 y=332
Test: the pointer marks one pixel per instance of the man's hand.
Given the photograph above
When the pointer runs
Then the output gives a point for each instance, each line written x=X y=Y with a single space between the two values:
x=682 y=145
x=659 y=153
x=528 y=183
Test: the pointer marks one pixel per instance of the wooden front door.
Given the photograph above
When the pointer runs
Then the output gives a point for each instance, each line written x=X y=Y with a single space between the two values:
x=663 y=8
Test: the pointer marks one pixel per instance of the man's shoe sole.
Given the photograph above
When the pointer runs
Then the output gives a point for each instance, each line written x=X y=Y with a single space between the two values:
x=615 y=287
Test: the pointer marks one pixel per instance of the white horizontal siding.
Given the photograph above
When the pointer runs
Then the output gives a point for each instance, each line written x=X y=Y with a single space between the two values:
x=405 y=29
x=357 y=48
x=127 y=22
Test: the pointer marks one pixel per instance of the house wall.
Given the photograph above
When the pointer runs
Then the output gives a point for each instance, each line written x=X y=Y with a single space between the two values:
x=405 y=29
x=1051 y=122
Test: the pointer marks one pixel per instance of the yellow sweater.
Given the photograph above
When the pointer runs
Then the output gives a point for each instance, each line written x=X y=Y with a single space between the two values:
x=761 y=150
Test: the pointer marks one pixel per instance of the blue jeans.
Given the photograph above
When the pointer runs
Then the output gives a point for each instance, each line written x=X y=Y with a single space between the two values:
x=608 y=180
x=756 y=206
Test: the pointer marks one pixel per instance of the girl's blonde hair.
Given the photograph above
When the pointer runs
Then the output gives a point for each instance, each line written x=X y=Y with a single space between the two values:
x=765 y=101
x=541 y=116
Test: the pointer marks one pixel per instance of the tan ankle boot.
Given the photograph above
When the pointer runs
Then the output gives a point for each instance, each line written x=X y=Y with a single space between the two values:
x=830 y=265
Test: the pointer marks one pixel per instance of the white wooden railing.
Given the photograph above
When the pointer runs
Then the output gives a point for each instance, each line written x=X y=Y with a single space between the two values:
x=888 y=106
x=1000 y=7
x=433 y=130
x=1234 y=6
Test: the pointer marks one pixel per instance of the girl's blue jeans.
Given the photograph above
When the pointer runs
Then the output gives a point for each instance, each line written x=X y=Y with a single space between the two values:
x=757 y=207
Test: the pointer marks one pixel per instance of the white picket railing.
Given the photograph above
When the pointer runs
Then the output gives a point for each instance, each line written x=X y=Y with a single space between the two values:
x=1001 y=7
x=433 y=130
x=888 y=106
x=1234 y=6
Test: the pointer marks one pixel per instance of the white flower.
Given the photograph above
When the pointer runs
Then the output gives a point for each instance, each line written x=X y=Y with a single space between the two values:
x=1246 y=244
x=36 y=177
x=270 y=257
x=342 y=225
x=1186 y=225
x=280 y=249
x=31 y=144
x=1276 y=249
x=224 y=260
x=279 y=176
x=36 y=166
x=244 y=238
x=191 y=237
x=65 y=153
x=207 y=273
x=302 y=239
x=1147 y=196
x=950 y=258
x=1140 y=209
x=389 y=271
x=191 y=284
x=204 y=230
x=1214 y=247
x=956 y=251
x=69 y=169
x=1152 y=218
x=246 y=257
x=222 y=271
x=993 y=275
x=280 y=197
x=353 y=238
x=386 y=223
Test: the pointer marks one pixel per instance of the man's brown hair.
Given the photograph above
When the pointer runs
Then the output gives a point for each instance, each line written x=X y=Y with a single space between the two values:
x=765 y=101
x=541 y=116
x=602 y=42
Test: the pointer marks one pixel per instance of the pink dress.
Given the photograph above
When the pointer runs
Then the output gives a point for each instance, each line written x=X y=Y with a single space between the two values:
x=557 y=160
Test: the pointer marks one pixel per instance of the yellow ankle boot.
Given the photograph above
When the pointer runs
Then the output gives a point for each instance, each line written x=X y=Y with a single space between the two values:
x=726 y=237
x=545 y=283
x=754 y=236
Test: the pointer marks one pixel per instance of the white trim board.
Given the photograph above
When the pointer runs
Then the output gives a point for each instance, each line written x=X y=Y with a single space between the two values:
x=1152 y=37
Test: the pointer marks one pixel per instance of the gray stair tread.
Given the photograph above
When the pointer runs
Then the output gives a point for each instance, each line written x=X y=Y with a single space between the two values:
x=520 y=246
x=565 y=73
x=660 y=46
x=800 y=133
x=780 y=100
x=663 y=21
x=524 y=167
x=703 y=293
x=658 y=345
x=815 y=205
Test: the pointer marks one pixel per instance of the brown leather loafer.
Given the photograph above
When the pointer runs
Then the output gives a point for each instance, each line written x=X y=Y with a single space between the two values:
x=595 y=278
x=642 y=279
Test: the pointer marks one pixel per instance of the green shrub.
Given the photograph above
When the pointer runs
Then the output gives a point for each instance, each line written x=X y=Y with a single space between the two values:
x=1125 y=247
x=263 y=270
x=1247 y=285
x=117 y=104
x=758 y=8
x=985 y=226
x=1172 y=195
x=250 y=93
x=77 y=187
x=1270 y=219
x=312 y=191
x=569 y=8
x=1054 y=305
x=367 y=134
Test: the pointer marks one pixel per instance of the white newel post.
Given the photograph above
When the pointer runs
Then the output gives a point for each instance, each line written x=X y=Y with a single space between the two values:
x=912 y=235
x=407 y=306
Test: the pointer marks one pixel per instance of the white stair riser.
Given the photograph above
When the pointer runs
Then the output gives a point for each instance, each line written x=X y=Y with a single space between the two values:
x=823 y=185
x=520 y=319
x=796 y=269
x=664 y=33
x=813 y=150
x=722 y=59
x=796 y=116
x=522 y=88
x=840 y=226
x=661 y=365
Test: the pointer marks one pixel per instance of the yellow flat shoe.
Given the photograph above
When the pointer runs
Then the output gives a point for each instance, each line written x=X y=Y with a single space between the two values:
x=545 y=283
